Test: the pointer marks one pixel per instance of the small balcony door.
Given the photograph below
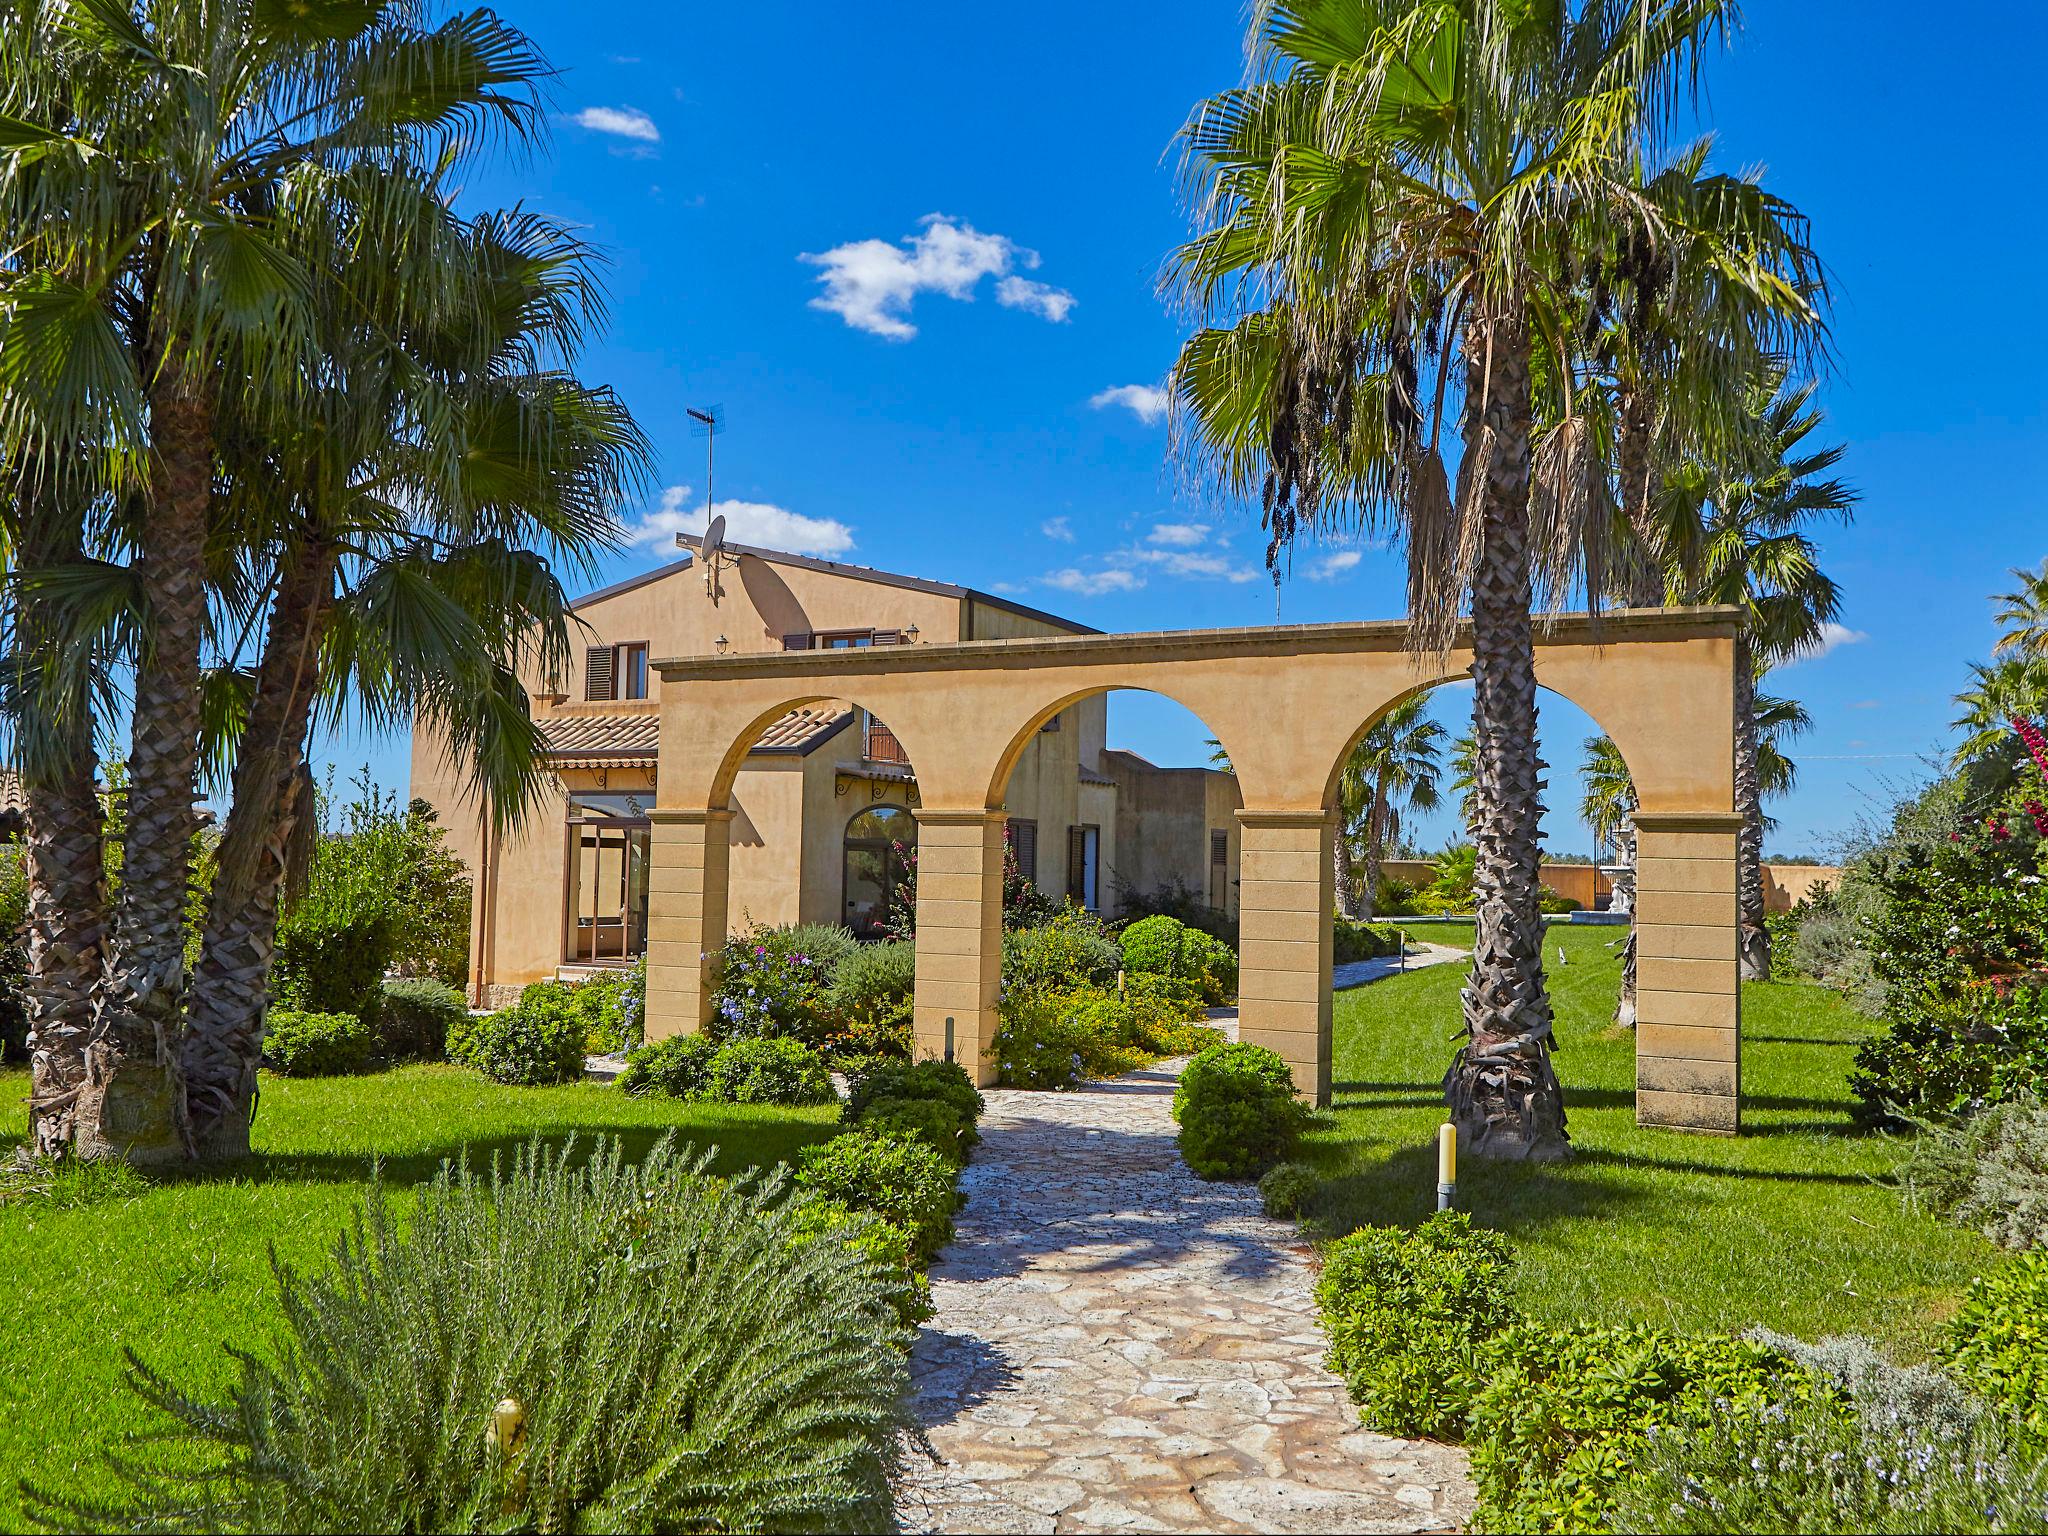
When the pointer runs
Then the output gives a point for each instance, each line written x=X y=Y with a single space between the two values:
x=606 y=879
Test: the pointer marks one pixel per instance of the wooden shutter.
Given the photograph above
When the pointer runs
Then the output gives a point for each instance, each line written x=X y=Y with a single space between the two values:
x=600 y=680
x=1024 y=838
x=1077 y=864
x=1219 y=846
x=888 y=637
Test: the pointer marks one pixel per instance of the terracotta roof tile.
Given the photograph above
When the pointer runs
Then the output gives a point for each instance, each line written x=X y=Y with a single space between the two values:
x=579 y=737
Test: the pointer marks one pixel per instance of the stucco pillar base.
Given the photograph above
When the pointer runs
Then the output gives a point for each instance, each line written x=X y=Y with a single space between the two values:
x=959 y=937
x=1688 y=1001
x=1286 y=895
x=686 y=884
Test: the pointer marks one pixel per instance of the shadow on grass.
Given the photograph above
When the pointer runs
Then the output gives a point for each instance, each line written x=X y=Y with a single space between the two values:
x=1359 y=1095
x=1845 y=1042
x=1597 y=1157
x=1511 y=1198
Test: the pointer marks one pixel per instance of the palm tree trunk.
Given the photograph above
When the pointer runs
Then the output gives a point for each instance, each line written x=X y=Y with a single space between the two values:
x=231 y=984
x=1375 y=848
x=67 y=893
x=1752 y=939
x=1625 y=890
x=1634 y=430
x=1504 y=1095
x=132 y=1104
x=1340 y=859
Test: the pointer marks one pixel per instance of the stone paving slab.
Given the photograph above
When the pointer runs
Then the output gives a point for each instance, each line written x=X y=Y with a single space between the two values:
x=1122 y=1347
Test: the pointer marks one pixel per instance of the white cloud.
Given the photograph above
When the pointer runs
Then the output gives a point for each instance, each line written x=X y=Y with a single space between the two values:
x=1179 y=535
x=871 y=284
x=746 y=522
x=1329 y=567
x=1093 y=583
x=1040 y=299
x=1057 y=528
x=619 y=122
x=1189 y=566
x=1145 y=401
x=1833 y=637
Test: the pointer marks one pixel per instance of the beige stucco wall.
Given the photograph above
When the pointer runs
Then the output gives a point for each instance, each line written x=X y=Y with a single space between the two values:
x=1164 y=820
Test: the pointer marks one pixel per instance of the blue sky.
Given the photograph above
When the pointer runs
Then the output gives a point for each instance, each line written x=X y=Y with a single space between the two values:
x=911 y=251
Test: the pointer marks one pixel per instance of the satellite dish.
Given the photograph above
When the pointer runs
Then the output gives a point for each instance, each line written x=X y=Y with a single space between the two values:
x=712 y=549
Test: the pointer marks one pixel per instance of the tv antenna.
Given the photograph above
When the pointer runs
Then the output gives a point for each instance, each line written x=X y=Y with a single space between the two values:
x=710 y=422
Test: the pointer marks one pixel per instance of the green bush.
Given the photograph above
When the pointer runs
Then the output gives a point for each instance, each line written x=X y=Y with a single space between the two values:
x=1283 y=1191
x=869 y=1004
x=541 y=1039
x=1043 y=1041
x=945 y=1081
x=1558 y=1417
x=774 y=982
x=1231 y=1060
x=1183 y=997
x=297 y=1043
x=1988 y=1172
x=1156 y=1026
x=1548 y=900
x=1070 y=950
x=768 y=1072
x=887 y=1245
x=934 y=1122
x=416 y=1018
x=679 y=1067
x=1998 y=1341
x=1405 y=1310
x=1165 y=946
x=1362 y=941
x=332 y=951
x=901 y=1180
x=1943 y=1056
x=13 y=951
x=1237 y=1111
x=676 y=1357
x=612 y=1003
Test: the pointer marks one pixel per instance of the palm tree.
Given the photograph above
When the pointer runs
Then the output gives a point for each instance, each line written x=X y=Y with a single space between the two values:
x=1398 y=202
x=1778 y=720
x=1392 y=771
x=1745 y=543
x=2004 y=691
x=1608 y=806
x=154 y=151
x=2023 y=618
x=406 y=582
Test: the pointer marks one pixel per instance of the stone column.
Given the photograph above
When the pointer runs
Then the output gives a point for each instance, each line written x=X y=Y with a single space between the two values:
x=959 y=937
x=686 y=887
x=1285 y=897
x=1688 y=1002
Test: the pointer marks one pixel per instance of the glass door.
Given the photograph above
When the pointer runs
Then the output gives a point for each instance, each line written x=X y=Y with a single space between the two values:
x=606 y=880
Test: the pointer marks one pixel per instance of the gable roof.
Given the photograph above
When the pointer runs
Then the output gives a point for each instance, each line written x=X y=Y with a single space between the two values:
x=867 y=573
x=589 y=741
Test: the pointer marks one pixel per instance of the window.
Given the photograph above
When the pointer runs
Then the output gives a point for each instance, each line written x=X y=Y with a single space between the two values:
x=1023 y=837
x=1084 y=847
x=1219 y=866
x=615 y=671
x=879 y=743
x=877 y=842
x=605 y=889
x=1051 y=725
x=843 y=639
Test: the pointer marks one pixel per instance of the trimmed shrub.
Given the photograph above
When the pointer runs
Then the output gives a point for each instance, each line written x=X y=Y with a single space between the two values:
x=1184 y=998
x=416 y=1018
x=902 y=1181
x=332 y=951
x=1044 y=1042
x=934 y=1122
x=1988 y=1172
x=1405 y=1310
x=679 y=1066
x=1351 y=942
x=298 y=1043
x=1231 y=1059
x=1070 y=950
x=946 y=1081
x=883 y=1242
x=568 y=1344
x=1284 y=1190
x=1237 y=1111
x=1165 y=946
x=768 y=1072
x=539 y=1040
x=1998 y=1341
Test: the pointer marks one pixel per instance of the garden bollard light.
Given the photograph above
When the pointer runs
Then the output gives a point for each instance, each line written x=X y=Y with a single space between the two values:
x=1446 y=1166
x=949 y=1037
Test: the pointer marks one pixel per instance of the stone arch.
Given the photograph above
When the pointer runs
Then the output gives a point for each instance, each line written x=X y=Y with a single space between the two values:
x=1021 y=738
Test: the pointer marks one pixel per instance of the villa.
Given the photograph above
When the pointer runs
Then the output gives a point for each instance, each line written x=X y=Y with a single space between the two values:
x=824 y=798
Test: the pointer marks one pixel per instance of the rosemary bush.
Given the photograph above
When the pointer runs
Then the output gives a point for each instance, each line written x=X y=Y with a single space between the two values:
x=562 y=1345
x=1988 y=1172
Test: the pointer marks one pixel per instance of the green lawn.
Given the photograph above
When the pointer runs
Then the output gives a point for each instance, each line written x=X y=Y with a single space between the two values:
x=177 y=1267
x=1795 y=1224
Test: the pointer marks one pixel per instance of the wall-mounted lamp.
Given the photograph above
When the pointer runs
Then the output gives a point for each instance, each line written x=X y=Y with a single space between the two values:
x=910 y=634
x=721 y=642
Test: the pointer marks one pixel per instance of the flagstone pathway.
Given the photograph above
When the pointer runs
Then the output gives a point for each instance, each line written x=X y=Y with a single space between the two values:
x=1122 y=1347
